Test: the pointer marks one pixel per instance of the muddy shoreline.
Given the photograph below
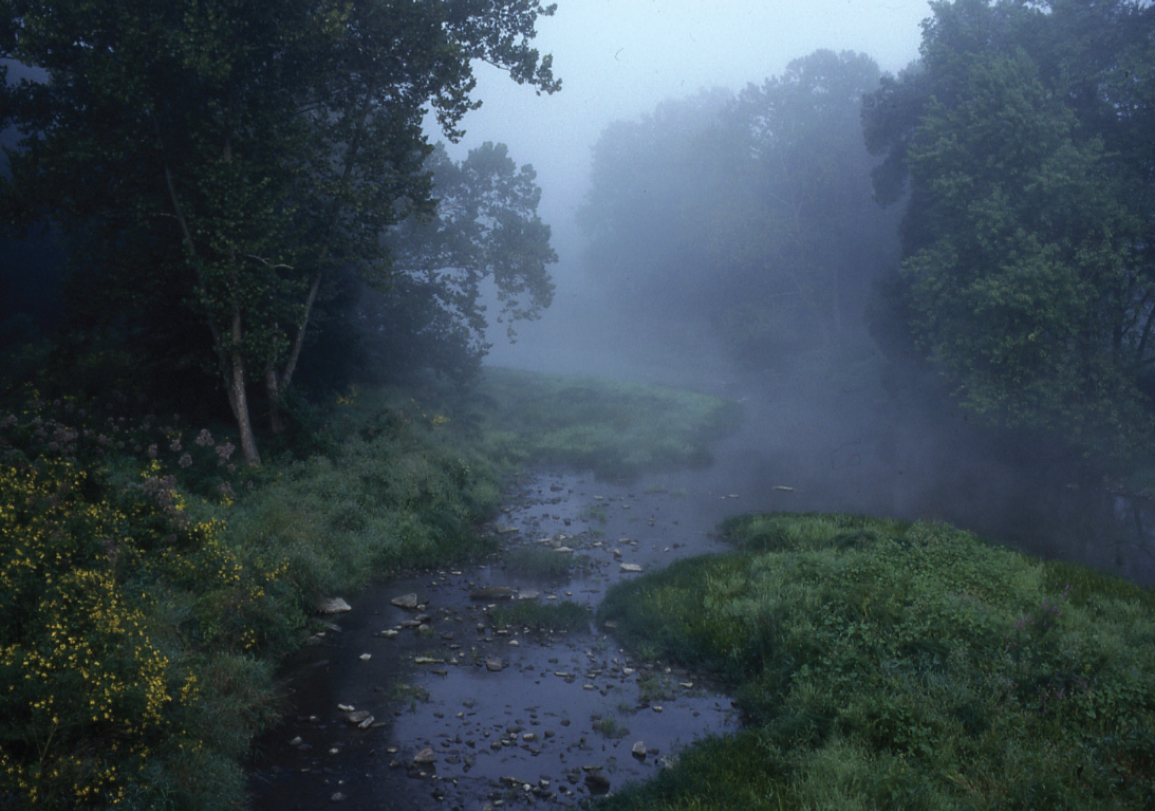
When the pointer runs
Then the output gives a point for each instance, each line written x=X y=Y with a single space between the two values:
x=431 y=706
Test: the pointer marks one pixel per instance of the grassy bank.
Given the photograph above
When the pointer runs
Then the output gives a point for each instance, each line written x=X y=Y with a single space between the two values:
x=615 y=428
x=149 y=583
x=901 y=666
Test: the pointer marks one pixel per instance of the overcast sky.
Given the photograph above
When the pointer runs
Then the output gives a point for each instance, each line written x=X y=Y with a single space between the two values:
x=618 y=58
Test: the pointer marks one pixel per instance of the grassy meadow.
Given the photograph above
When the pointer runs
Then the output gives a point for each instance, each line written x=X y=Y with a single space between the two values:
x=886 y=665
x=616 y=429
x=150 y=583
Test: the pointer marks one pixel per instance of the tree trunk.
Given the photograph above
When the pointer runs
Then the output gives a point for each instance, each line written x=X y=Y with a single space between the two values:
x=238 y=393
x=276 y=421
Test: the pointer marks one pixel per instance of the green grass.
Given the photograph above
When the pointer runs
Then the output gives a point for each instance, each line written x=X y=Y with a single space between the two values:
x=544 y=563
x=564 y=615
x=880 y=664
x=614 y=428
x=149 y=583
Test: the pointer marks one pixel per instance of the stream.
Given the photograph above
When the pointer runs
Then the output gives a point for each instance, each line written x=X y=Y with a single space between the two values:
x=426 y=705
x=461 y=715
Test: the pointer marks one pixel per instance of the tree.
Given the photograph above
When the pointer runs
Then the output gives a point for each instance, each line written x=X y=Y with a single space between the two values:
x=747 y=217
x=1027 y=273
x=239 y=152
x=486 y=231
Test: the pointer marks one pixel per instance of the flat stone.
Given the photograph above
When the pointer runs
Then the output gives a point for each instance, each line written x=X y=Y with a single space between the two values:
x=426 y=755
x=360 y=718
x=333 y=605
x=405 y=601
x=631 y=568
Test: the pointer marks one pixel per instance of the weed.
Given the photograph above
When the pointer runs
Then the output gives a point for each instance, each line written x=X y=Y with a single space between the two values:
x=609 y=727
x=409 y=694
x=593 y=512
x=544 y=563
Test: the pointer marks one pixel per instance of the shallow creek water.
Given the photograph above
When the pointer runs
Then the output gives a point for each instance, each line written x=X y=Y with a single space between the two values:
x=513 y=720
x=509 y=718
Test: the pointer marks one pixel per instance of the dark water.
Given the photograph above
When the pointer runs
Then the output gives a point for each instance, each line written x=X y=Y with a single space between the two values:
x=512 y=719
x=564 y=706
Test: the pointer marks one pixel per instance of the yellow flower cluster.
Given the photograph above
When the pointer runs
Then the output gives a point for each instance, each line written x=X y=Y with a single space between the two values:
x=94 y=674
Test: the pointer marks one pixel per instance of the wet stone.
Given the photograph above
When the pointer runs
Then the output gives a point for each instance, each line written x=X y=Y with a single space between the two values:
x=405 y=601
x=333 y=605
x=597 y=783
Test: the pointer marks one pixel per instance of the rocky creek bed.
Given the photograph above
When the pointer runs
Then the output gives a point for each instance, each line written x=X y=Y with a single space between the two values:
x=413 y=699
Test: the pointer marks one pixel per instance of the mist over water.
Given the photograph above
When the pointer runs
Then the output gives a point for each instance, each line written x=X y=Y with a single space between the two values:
x=814 y=444
x=820 y=421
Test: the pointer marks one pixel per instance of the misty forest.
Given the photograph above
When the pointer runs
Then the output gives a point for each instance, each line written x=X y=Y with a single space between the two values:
x=805 y=461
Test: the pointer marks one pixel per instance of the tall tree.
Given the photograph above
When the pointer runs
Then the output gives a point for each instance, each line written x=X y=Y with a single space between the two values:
x=239 y=151
x=1028 y=275
x=486 y=236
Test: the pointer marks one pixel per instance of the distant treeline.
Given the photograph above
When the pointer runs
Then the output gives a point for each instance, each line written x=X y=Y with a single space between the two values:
x=987 y=216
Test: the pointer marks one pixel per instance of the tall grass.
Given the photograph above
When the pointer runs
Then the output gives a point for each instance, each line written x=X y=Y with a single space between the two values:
x=880 y=664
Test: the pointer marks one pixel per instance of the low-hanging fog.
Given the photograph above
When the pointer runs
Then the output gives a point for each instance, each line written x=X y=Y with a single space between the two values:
x=664 y=273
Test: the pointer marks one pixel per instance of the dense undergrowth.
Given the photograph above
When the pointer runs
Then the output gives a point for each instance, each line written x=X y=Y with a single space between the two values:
x=149 y=583
x=884 y=665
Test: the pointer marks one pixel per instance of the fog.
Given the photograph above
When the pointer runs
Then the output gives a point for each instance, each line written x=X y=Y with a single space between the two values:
x=617 y=61
x=841 y=437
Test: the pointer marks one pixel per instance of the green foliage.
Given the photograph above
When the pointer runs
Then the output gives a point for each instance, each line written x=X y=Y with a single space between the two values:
x=614 y=428
x=147 y=592
x=1026 y=272
x=563 y=615
x=149 y=584
x=885 y=664
x=214 y=167
x=544 y=563
x=485 y=228
x=128 y=628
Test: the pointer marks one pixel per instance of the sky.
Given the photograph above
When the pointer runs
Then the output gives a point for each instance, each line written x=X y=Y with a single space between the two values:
x=619 y=58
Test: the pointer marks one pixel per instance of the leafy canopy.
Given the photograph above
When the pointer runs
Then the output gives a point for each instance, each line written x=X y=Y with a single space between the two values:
x=238 y=151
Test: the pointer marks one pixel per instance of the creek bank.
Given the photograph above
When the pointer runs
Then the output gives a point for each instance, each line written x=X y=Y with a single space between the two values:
x=416 y=698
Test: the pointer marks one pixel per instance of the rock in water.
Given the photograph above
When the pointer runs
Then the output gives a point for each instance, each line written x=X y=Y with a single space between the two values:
x=405 y=601
x=333 y=605
x=359 y=718
x=639 y=750
x=597 y=783
x=494 y=664
x=425 y=756
x=631 y=568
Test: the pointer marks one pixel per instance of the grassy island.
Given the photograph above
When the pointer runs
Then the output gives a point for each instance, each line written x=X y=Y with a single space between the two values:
x=888 y=665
